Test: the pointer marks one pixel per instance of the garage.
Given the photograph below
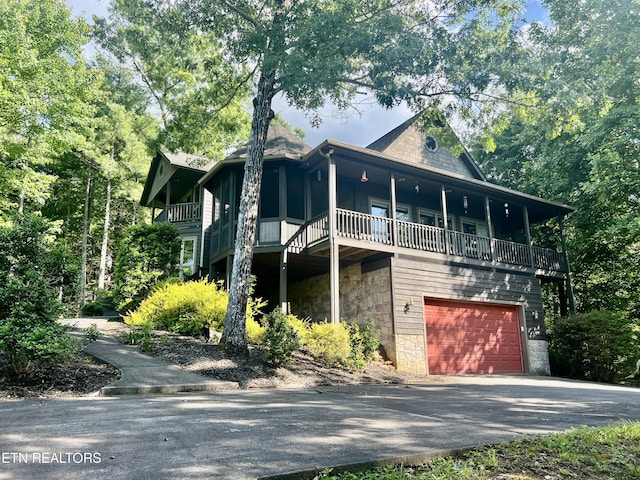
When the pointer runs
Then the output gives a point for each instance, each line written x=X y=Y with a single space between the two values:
x=472 y=338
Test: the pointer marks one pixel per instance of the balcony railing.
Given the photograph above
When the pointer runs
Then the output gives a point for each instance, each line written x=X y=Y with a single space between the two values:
x=181 y=212
x=386 y=231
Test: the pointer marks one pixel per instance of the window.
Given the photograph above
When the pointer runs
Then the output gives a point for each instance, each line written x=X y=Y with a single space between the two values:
x=188 y=257
x=379 y=228
x=434 y=219
x=431 y=143
x=270 y=195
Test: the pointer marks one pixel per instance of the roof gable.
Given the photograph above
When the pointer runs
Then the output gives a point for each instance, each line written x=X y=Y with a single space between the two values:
x=410 y=143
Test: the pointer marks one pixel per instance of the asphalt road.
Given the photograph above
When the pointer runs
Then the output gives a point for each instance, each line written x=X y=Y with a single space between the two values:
x=251 y=434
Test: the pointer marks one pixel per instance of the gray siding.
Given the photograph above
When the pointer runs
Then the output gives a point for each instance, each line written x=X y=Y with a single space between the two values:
x=414 y=279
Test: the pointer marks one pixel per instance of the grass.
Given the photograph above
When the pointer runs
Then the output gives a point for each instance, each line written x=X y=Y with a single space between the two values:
x=610 y=453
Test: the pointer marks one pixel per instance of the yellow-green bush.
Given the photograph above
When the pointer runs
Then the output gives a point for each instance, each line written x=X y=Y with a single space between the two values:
x=328 y=342
x=300 y=326
x=182 y=307
x=255 y=332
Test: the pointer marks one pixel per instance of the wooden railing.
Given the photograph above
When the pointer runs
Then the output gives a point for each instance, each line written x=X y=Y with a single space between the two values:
x=385 y=231
x=181 y=212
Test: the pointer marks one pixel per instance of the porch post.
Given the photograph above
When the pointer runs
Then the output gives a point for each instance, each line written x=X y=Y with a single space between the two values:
x=445 y=217
x=283 y=281
x=153 y=210
x=487 y=212
x=334 y=248
x=527 y=231
x=168 y=199
x=572 y=303
x=392 y=188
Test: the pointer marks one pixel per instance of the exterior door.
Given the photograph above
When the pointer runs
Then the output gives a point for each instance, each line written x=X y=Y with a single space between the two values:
x=472 y=338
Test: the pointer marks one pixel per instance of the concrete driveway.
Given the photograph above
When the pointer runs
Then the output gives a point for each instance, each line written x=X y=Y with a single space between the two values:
x=252 y=434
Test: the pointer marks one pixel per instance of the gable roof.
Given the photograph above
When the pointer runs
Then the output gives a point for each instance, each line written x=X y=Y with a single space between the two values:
x=408 y=141
x=281 y=143
x=193 y=166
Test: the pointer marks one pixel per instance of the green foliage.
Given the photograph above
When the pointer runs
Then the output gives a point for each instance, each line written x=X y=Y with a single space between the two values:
x=148 y=254
x=603 y=453
x=141 y=337
x=601 y=346
x=92 y=333
x=280 y=340
x=103 y=303
x=182 y=307
x=199 y=94
x=572 y=136
x=365 y=342
x=30 y=337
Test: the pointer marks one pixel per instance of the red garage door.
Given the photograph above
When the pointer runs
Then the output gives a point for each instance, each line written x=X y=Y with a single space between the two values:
x=472 y=338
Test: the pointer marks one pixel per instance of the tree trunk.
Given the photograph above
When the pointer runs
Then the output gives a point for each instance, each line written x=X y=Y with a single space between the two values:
x=107 y=223
x=234 y=335
x=85 y=236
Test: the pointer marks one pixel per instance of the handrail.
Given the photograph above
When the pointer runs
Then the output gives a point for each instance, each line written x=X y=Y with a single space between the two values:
x=180 y=212
x=428 y=238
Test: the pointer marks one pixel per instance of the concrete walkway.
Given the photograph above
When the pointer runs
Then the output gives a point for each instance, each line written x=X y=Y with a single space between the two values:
x=140 y=373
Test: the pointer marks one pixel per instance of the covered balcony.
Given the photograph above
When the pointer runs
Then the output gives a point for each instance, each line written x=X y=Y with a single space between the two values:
x=369 y=232
x=181 y=213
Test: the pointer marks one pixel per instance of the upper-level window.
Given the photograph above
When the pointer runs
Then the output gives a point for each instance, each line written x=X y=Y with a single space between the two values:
x=431 y=143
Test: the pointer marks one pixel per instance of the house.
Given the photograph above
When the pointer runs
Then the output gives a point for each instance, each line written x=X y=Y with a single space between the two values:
x=404 y=233
x=172 y=192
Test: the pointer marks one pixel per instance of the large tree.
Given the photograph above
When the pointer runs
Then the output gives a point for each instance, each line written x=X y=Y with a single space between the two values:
x=574 y=137
x=331 y=50
x=45 y=92
x=198 y=96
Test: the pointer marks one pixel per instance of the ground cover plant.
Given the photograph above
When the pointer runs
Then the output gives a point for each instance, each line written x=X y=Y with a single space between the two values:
x=586 y=453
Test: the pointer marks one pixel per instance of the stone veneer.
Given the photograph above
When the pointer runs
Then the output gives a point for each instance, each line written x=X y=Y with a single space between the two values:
x=363 y=297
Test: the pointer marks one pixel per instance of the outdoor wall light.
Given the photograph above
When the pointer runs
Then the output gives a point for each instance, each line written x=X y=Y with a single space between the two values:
x=364 y=178
x=417 y=188
x=465 y=204
x=407 y=306
x=506 y=210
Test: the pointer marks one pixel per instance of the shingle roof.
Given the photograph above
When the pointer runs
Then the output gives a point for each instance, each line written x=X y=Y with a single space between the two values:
x=280 y=143
x=186 y=160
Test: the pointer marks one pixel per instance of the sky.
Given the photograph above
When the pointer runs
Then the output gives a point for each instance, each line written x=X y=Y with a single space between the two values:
x=359 y=126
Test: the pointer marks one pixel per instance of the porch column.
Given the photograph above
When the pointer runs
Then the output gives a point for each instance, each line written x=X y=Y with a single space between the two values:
x=487 y=212
x=153 y=210
x=283 y=281
x=572 y=304
x=445 y=217
x=392 y=196
x=527 y=231
x=334 y=248
x=168 y=198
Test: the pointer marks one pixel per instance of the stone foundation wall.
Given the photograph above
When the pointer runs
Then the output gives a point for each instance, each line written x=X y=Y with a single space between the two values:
x=538 y=351
x=363 y=297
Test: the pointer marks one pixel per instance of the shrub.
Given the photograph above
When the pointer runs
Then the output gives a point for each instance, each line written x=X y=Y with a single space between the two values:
x=255 y=332
x=185 y=307
x=147 y=254
x=329 y=342
x=600 y=346
x=365 y=342
x=280 y=340
x=30 y=337
x=182 y=307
